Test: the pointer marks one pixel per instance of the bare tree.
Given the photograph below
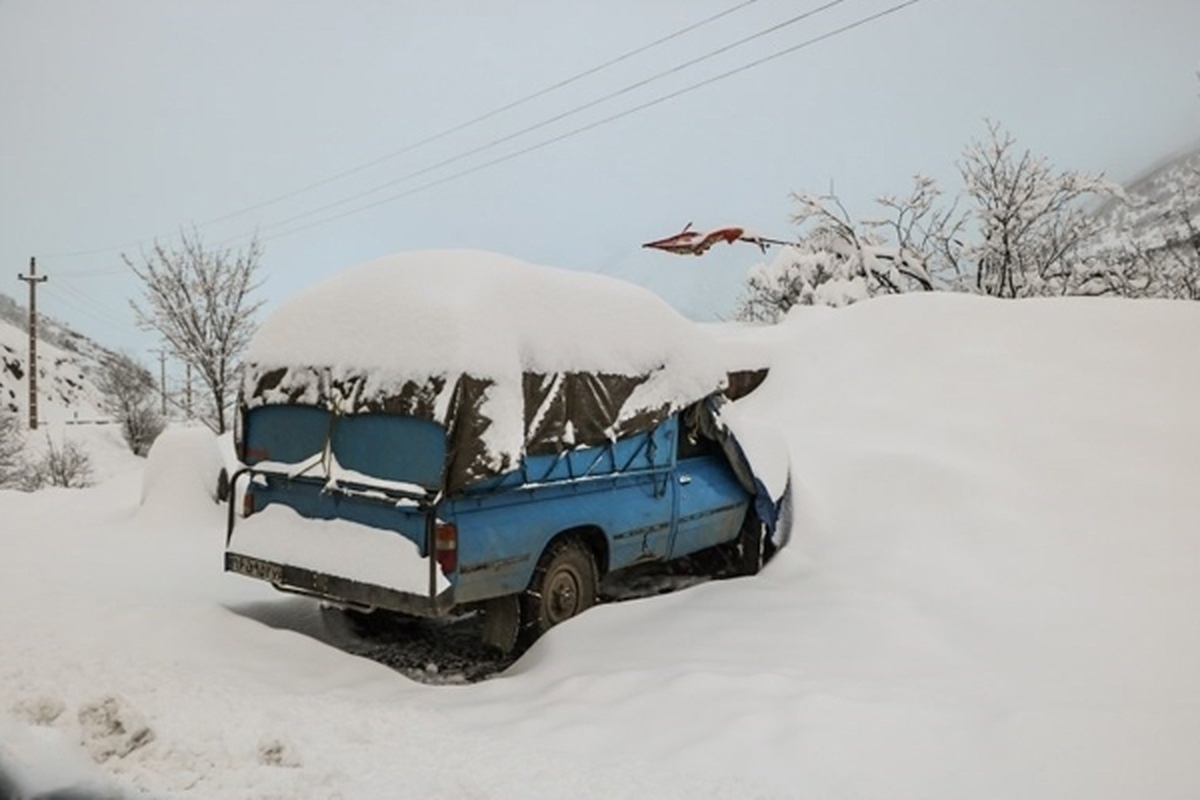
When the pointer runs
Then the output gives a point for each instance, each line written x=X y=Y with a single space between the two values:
x=1032 y=225
x=199 y=300
x=128 y=389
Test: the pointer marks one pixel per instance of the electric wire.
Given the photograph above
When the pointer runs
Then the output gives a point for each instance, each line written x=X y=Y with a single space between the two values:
x=434 y=137
x=482 y=117
x=557 y=117
x=100 y=308
x=598 y=123
x=100 y=317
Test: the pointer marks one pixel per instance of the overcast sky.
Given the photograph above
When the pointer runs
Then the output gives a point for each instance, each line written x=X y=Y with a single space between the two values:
x=123 y=120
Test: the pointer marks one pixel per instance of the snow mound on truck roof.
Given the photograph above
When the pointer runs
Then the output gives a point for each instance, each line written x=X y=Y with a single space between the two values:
x=430 y=312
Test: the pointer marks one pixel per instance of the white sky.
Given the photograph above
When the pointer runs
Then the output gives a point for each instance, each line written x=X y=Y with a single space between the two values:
x=124 y=120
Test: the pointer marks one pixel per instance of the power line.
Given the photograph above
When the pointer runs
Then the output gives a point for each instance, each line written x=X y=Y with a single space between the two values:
x=604 y=121
x=89 y=308
x=434 y=137
x=559 y=117
x=485 y=116
x=91 y=273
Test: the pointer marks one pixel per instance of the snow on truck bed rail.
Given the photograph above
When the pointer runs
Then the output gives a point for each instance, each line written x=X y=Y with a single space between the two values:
x=335 y=547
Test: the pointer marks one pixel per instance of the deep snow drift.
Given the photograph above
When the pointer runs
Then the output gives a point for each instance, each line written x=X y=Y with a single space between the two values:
x=991 y=591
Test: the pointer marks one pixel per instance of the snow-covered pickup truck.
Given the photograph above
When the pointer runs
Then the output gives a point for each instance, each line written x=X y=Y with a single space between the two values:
x=447 y=431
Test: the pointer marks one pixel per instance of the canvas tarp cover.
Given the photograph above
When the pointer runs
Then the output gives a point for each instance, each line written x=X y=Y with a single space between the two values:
x=511 y=358
x=561 y=410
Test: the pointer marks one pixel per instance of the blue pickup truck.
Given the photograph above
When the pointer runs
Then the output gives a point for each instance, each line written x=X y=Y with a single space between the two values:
x=401 y=490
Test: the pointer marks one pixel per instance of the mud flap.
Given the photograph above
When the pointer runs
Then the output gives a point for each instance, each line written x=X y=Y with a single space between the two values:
x=502 y=622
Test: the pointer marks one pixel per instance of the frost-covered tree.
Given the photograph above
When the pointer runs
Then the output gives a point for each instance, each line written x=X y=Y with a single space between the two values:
x=1032 y=226
x=1019 y=228
x=128 y=389
x=200 y=301
x=837 y=261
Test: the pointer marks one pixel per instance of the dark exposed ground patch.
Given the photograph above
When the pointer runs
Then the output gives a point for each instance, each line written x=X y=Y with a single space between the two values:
x=450 y=651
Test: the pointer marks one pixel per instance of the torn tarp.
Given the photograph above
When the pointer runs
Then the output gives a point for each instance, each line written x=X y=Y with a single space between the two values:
x=560 y=411
x=760 y=462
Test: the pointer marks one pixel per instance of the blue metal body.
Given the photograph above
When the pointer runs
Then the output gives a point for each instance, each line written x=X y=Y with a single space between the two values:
x=632 y=500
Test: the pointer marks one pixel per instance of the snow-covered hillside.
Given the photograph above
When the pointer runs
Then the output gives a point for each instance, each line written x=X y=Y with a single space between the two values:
x=1158 y=203
x=68 y=364
x=991 y=591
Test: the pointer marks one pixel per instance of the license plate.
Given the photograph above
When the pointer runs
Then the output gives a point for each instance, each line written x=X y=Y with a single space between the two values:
x=256 y=569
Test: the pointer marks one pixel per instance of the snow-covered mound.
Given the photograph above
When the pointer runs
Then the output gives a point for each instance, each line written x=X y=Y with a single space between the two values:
x=181 y=472
x=991 y=592
x=436 y=312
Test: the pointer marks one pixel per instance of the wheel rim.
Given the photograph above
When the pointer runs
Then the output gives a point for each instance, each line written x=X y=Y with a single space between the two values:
x=562 y=596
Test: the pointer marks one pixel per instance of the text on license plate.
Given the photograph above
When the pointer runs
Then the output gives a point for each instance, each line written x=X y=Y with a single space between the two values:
x=256 y=569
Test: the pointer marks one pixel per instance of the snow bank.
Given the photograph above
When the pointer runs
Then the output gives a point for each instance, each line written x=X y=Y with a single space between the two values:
x=181 y=472
x=990 y=592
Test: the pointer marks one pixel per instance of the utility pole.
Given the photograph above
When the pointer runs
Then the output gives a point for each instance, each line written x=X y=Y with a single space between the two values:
x=189 y=391
x=162 y=380
x=33 y=279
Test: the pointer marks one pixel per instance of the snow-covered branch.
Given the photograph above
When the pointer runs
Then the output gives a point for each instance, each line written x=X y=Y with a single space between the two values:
x=199 y=300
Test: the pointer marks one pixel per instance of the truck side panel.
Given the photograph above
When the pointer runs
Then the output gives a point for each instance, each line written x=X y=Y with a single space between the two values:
x=622 y=490
x=710 y=504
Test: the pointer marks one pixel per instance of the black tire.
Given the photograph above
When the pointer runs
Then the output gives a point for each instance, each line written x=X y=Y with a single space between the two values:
x=754 y=548
x=563 y=586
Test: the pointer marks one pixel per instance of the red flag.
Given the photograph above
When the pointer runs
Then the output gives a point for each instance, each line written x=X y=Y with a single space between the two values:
x=696 y=243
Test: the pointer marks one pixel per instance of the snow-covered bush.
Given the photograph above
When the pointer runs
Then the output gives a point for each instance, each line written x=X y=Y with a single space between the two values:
x=837 y=262
x=11 y=449
x=67 y=465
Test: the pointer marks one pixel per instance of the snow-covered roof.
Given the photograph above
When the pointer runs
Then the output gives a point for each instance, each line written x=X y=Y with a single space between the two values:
x=438 y=311
x=423 y=333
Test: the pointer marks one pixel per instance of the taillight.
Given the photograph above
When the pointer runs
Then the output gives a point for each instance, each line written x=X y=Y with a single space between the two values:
x=445 y=546
x=247 y=503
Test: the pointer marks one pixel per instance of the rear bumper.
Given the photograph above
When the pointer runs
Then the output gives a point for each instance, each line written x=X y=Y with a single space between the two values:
x=298 y=580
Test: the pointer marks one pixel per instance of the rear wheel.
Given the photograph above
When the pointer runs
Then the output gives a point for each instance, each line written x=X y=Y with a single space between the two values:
x=754 y=545
x=563 y=586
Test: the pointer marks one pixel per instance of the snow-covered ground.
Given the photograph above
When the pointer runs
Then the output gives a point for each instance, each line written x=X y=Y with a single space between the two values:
x=993 y=590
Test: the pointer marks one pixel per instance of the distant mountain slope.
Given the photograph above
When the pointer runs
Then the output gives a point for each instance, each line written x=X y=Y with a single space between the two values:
x=1158 y=198
x=68 y=366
